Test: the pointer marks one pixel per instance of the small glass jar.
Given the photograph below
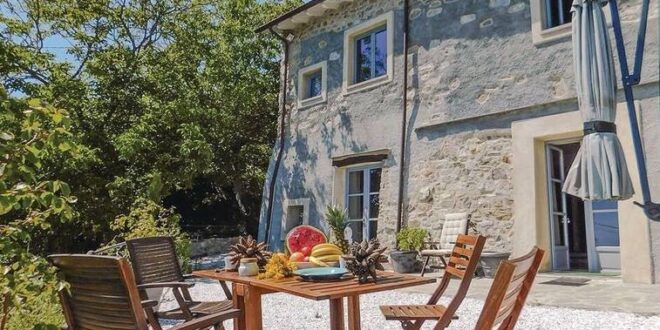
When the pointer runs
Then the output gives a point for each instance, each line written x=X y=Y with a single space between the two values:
x=248 y=267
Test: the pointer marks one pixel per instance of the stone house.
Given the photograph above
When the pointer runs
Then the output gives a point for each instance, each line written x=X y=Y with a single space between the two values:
x=481 y=113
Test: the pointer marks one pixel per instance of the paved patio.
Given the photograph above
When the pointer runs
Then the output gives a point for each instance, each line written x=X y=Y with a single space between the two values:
x=600 y=292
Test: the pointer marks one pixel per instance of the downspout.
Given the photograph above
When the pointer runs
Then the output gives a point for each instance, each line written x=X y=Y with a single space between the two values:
x=273 y=179
x=404 y=119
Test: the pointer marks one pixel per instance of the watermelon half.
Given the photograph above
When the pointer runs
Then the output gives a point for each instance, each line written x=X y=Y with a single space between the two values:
x=302 y=236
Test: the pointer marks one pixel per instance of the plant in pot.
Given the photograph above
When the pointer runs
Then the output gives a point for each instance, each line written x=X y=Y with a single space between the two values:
x=409 y=241
x=490 y=259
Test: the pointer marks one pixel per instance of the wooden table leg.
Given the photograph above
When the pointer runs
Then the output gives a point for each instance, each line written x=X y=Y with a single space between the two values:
x=253 y=315
x=337 y=314
x=353 y=312
x=239 y=303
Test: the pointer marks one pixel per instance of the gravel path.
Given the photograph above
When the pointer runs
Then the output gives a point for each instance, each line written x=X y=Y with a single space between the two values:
x=283 y=311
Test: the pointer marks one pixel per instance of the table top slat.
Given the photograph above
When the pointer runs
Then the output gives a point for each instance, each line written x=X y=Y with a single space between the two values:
x=321 y=290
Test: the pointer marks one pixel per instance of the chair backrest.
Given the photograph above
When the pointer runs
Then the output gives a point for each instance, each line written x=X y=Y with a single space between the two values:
x=102 y=293
x=507 y=295
x=455 y=224
x=154 y=260
x=462 y=264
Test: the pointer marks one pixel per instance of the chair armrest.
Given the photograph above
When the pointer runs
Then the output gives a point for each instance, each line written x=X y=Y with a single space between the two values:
x=149 y=303
x=208 y=321
x=188 y=276
x=166 y=285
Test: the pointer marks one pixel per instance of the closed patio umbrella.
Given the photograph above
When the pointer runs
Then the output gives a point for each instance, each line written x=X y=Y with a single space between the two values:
x=599 y=170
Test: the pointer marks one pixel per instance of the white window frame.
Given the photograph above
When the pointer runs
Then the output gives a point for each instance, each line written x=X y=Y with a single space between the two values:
x=301 y=202
x=366 y=184
x=350 y=35
x=542 y=35
x=303 y=84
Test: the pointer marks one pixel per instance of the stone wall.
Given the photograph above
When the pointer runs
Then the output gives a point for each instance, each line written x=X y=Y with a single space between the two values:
x=212 y=246
x=468 y=172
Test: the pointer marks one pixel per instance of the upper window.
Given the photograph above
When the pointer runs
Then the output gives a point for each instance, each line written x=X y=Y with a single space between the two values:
x=550 y=20
x=371 y=55
x=368 y=58
x=557 y=12
x=312 y=84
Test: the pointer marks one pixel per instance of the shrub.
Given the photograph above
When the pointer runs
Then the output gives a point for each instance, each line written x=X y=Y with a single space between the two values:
x=148 y=218
x=410 y=239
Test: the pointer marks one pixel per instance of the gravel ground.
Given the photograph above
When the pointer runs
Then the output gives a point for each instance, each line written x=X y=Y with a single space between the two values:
x=283 y=311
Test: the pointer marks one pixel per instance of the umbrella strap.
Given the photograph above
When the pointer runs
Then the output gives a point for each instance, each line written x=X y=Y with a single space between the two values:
x=599 y=126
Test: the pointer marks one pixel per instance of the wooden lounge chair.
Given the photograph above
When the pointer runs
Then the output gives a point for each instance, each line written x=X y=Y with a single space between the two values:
x=507 y=295
x=102 y=295
x=155 y=265
x=455 y=224
x=462 y=264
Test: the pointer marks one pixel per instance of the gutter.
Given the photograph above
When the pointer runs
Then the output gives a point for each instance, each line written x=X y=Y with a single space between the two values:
x=404 y=119
x=273 y=179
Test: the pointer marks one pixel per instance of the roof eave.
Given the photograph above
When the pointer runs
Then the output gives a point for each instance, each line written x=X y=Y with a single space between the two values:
x=300 y=16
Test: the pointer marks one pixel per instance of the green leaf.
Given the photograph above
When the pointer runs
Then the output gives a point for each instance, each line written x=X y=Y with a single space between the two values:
x=57 y=117
x=65 y=146
x=64 y=188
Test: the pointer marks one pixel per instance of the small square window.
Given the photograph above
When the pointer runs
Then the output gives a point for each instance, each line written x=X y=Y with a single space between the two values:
x=557 y=12
x=315 y=84
x=312 y=84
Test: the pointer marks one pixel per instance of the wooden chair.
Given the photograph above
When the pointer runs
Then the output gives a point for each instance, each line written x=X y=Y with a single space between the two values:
x=462 y=264
x=455 y=224
x=155 y=265
x=102 y=295
x=507 y=295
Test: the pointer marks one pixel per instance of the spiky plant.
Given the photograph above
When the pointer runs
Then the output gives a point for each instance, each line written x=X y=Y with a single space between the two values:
x=248 y=247
x=364 y=259
x=337 y=220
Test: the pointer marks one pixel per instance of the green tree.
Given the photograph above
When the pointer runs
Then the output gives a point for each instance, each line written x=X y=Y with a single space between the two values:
x=166 y=94
x=33 y=136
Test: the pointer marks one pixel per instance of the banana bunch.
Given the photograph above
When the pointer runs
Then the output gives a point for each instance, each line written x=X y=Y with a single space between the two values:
x=324 y=253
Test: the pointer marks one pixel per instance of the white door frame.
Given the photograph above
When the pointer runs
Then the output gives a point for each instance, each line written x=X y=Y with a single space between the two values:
x=557 y=251
x=366 y=193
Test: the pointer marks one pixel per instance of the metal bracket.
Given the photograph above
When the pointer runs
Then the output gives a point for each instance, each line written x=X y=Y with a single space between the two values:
x=652 y=210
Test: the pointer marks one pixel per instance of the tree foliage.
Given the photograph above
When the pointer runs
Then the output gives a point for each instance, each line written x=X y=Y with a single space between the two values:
x=162 y=97
x=34 y=137
x=167 y=95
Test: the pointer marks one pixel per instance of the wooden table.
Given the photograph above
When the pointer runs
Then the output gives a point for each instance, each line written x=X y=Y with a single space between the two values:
x=247 y=293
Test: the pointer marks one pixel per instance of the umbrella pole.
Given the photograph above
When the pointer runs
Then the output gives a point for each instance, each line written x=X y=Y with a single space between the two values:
x=651 y=209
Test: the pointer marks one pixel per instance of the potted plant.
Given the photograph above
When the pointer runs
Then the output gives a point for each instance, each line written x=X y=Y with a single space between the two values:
x=409 y=241
x=489 y=260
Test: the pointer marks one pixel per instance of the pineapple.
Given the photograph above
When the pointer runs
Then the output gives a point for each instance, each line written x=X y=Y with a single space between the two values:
x=336 y=219
x=248 y=247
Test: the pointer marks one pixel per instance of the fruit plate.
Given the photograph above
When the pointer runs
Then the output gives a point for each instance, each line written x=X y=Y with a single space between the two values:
x=321 y=273
x=306 y=265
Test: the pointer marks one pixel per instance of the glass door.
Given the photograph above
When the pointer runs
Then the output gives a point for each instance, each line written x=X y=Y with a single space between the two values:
x=602 y=220
x=363 y=201
x=557 y=209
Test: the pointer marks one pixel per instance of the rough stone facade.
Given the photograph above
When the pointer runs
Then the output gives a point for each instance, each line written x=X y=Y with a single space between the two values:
x=473 y=70
x=469 y=172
